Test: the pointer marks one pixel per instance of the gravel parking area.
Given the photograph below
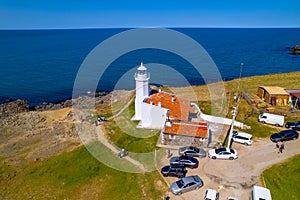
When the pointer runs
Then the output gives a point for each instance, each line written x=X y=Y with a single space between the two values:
x=235 y=178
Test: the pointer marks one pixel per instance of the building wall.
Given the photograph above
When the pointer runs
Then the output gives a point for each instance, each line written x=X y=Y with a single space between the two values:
x=282 y=100
x=261 y=92
x=153 y=117
x=142 y=92
x=267 y=97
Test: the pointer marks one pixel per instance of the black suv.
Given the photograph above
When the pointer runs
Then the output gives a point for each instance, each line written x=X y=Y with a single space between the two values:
x=293 y=125
x=174 y=170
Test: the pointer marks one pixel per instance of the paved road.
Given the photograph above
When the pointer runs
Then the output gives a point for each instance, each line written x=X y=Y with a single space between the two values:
x=235 y=178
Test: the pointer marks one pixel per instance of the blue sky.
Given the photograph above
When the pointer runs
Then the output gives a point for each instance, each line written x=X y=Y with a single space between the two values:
x=31 y=14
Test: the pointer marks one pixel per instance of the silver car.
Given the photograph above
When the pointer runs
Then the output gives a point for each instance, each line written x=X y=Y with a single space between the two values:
x=192 y=151
x=186 y=184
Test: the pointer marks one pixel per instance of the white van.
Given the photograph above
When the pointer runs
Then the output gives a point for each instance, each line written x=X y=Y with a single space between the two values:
x=260 y=193
x=277 y=120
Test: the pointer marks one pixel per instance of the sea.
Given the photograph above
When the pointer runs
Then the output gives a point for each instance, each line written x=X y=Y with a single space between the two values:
x=41 y=66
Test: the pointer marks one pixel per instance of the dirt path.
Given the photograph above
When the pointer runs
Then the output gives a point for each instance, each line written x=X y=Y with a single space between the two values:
x=120 y=111
x=235 y=178
x=104 y=141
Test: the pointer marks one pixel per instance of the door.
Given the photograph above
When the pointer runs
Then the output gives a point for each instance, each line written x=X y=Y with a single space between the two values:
x=273 y=101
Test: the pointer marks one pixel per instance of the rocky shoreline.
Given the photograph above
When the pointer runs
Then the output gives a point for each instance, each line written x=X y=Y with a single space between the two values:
x=37 y=133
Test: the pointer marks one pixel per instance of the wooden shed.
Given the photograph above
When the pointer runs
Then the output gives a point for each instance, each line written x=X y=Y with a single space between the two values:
x=274 y=95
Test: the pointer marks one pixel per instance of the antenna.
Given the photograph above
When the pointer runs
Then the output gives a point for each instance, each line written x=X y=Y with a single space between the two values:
x=241 y=69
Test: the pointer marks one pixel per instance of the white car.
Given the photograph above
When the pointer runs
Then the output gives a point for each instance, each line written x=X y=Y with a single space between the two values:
x=223 y=153
x=242 y=137
x=232 y=198
x=211 y=194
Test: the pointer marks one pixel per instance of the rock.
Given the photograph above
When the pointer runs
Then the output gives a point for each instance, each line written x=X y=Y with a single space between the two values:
x=295 y=50
x=13 y=108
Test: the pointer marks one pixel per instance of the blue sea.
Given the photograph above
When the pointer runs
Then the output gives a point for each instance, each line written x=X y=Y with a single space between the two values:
x=41 y=65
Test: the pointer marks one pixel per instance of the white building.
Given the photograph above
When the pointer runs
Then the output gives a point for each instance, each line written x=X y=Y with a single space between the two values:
x=178 y=118
x=142 y=90
x=153 y=111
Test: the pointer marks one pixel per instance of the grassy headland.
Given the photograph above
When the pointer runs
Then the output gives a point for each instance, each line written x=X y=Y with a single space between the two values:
x=78 y=175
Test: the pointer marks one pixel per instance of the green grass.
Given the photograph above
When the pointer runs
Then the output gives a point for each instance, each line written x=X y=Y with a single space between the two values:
x=259 y=129
x=140 y=143
x=127 y=137
x=77 y=175
x=283 y=179
x=205 y=107
x=122 y=132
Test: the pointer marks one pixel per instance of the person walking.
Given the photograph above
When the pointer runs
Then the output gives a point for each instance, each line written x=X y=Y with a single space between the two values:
x=123 y=152
x=281 y=147
x=278 y=144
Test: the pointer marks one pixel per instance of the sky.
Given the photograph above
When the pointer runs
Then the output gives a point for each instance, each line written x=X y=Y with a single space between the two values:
x=48 y=14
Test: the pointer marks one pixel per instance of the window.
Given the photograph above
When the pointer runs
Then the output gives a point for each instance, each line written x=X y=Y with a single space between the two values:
x=180 y=183
x=172 y=137
x=192 y=183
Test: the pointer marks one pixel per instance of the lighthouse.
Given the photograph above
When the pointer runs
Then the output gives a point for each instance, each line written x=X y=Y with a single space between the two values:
x=142 y=89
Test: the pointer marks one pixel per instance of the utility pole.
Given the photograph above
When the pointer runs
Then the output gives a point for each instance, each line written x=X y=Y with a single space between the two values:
x=234 y=112
x=235 y=109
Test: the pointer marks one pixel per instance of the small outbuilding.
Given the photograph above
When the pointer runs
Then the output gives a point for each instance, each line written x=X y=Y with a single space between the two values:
x=190 y=132
x=274 y=95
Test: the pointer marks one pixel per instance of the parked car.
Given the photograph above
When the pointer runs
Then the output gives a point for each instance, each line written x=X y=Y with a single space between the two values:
x=232 y=198
x=242 y=137
x=269 y=118
x=284 y=135
x=211 y=194
x=186 y=161
x=186 y=184
x=258 y=193
x=174 y=170
x=293 y=125
x=192 y=151
x=223 y=153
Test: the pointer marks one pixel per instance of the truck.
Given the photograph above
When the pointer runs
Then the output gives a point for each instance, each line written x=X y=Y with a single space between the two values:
x=268 y=118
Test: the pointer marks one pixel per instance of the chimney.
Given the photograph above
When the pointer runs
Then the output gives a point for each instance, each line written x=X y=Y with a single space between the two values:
x=169 y=124
x=173 y=99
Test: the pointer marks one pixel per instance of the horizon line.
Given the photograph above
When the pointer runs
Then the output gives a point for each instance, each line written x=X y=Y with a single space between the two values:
x=170 y=27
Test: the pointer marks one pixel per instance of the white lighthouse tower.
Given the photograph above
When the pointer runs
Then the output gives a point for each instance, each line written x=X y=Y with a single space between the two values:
x=142 y=89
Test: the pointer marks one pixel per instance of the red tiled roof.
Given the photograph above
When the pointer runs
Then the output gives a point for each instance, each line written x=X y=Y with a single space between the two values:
x=187 y=128
x=178 y=108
